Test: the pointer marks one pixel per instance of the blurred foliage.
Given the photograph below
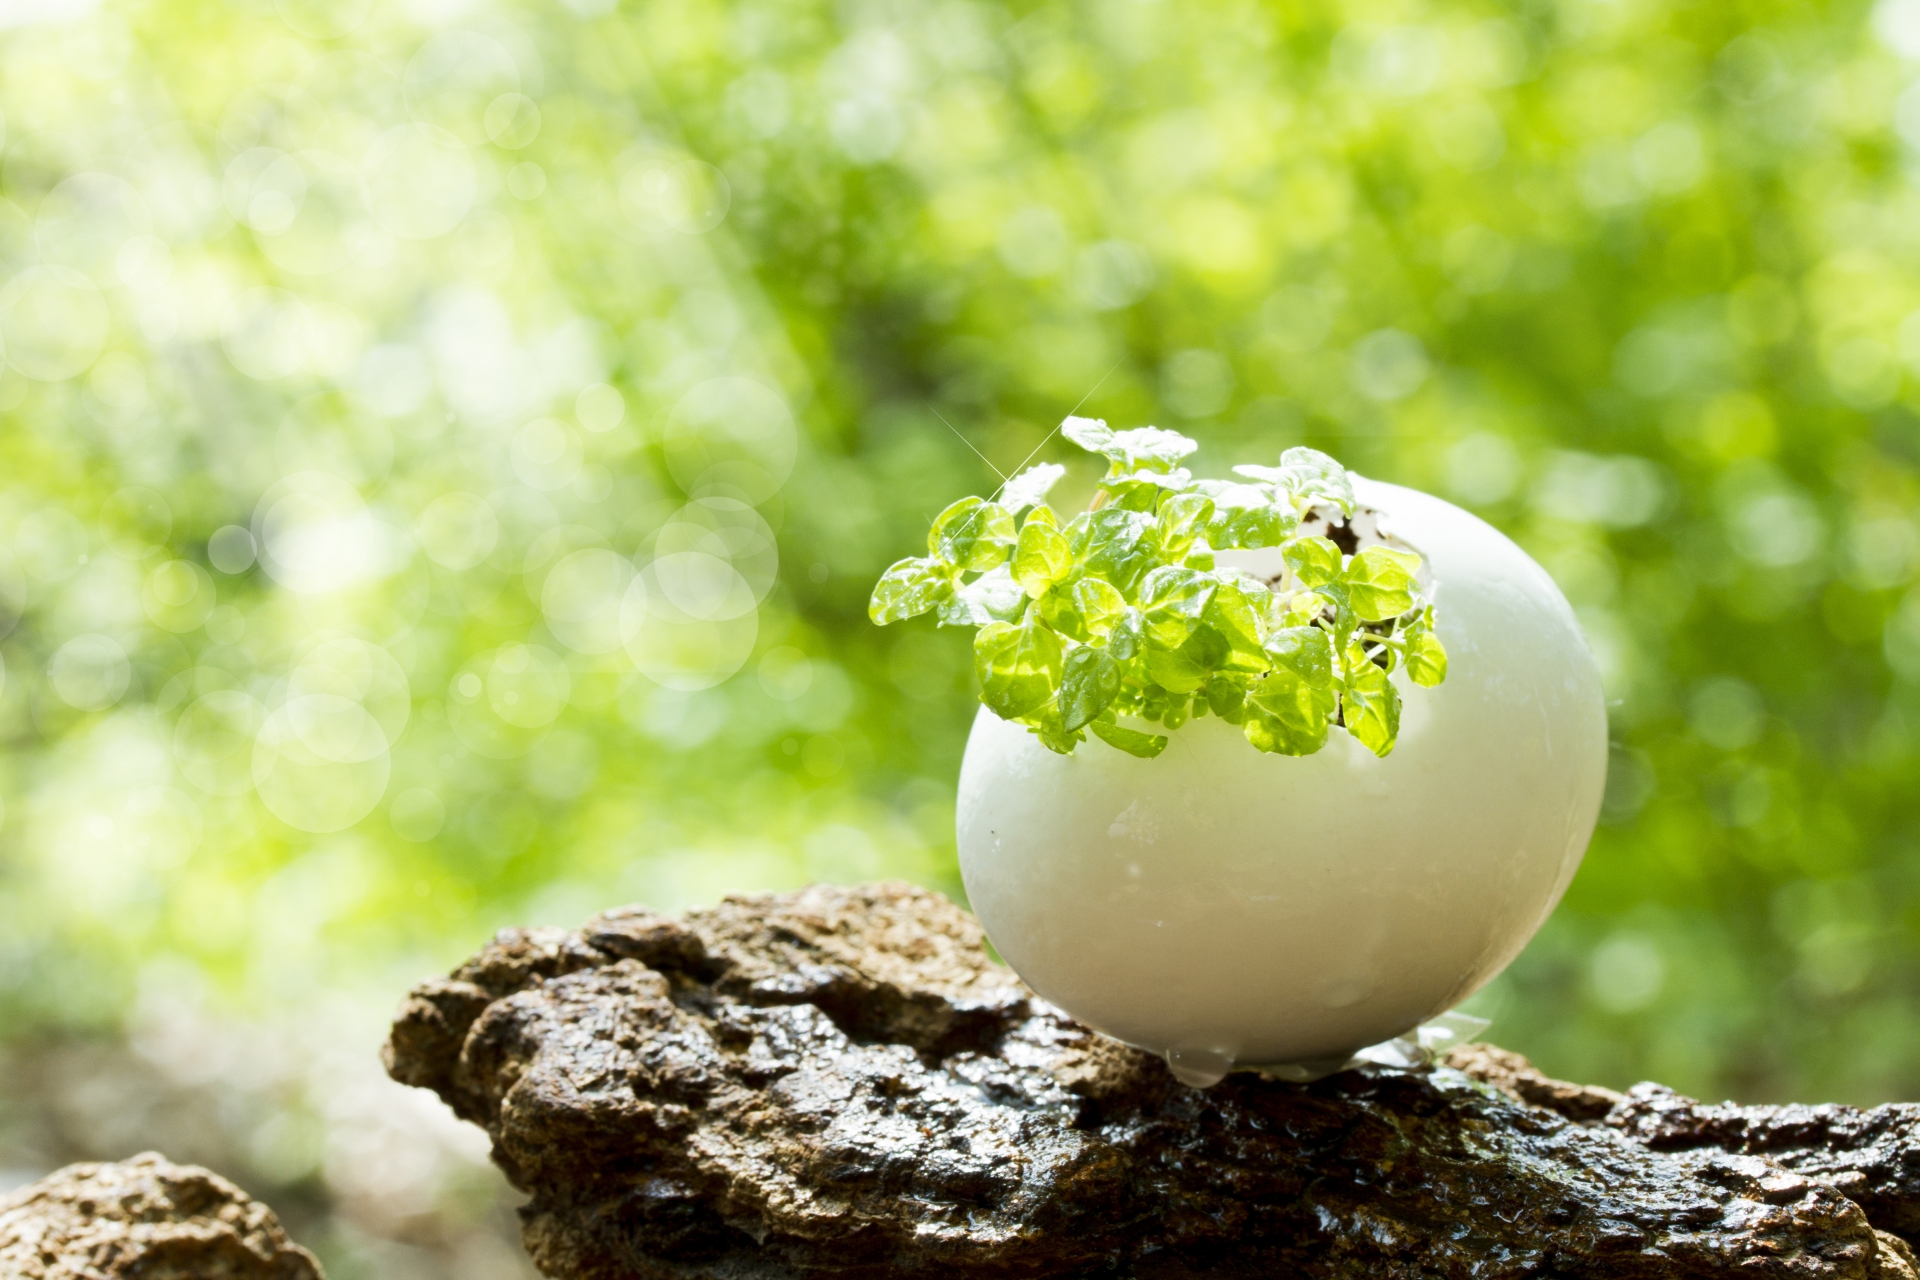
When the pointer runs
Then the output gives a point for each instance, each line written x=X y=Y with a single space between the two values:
x=446 y=446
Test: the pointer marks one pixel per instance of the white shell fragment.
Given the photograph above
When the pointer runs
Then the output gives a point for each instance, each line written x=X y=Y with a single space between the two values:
x=1225 y=907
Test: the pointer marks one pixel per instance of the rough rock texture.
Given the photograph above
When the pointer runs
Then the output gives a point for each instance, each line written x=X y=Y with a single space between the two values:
x=840 y=1083
x=1871 y=1156
x=1514 y=1076
x=143 y=1219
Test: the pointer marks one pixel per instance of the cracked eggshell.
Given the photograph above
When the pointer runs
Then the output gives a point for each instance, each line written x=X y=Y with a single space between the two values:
x=1225 y=903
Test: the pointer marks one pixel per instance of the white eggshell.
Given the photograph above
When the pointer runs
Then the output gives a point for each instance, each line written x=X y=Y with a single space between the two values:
x=1220 y=902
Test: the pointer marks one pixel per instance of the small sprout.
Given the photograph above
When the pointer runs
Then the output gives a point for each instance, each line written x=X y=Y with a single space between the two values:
x=1121 y=612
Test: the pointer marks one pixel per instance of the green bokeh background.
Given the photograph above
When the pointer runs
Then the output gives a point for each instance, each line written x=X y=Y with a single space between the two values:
x=1634 y=281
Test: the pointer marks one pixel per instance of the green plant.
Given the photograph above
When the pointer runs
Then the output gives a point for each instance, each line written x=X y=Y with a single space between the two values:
x=1122 y=612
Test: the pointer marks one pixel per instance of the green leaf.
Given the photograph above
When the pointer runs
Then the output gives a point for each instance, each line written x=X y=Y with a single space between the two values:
x=1315 y=561
x=992 y=597
x=1245 y=515
x=1379 y=583
x=972 y=534
x=1371 y=707
x=1085 y=609
x=1019 y=667
x=1090 y=434
x=1121 y=612
x=1045 y=724
x=1236 y=609
x=1227 y=699
x=1114 y=544
x=1041 y=557
x=1149 y=484
x=1127 y=637
x=1303 y=607
x=1183 y=517
x=909 y=588
x=1313 y=477
x=1087 y=688
x=1030 y=487
x=1174 y=599
x=1130 y=495
x=1149 y=449
x=1099 y=602
x=1151 y=702
x=1174 y=671
x=1425 y=657
x=1131 y=741
x=1057 y=609
x=1141 y=449
x=1305 y=651
x=1287 y=715
x=1206 y=649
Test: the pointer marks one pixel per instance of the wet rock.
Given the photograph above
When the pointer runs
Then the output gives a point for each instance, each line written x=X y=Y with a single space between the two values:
x=840 y=1083
x=1514 y=1076
x=143 y=1219
x=1872 y=1155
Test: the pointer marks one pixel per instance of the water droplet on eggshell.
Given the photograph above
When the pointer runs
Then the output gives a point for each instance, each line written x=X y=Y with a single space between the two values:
x=1199 y=1068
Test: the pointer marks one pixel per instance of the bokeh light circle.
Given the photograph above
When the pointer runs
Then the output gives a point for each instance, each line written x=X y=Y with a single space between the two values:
x=231 y=549
x=178 y=596
x=334 y=729
x=51 y=544
x=513 y=121
x=419 y=182
x=316 y=764
x=731 y=431
x=327 y=229
x=83 y=222
x=599 y=407
x=457 y=530
x=699 y=587
x=501 y=704
x=681 y=652
x=90 y=672
x=54 y=323
x=455 y=79
x=545 y=455
x=159 y=827
x=730 y=530
x=785 y=673
x=581 y=599
x=213 y=742
x=359 y=672
x=316 y=535
x=270 y=335
x=664 y=194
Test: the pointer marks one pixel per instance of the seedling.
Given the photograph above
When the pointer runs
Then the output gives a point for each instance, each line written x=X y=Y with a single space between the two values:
x=1122 y=613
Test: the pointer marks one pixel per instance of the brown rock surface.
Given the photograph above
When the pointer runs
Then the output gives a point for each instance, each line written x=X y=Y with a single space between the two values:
x=1870 y=1155
x=840 y=1083
x=143 y=1219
